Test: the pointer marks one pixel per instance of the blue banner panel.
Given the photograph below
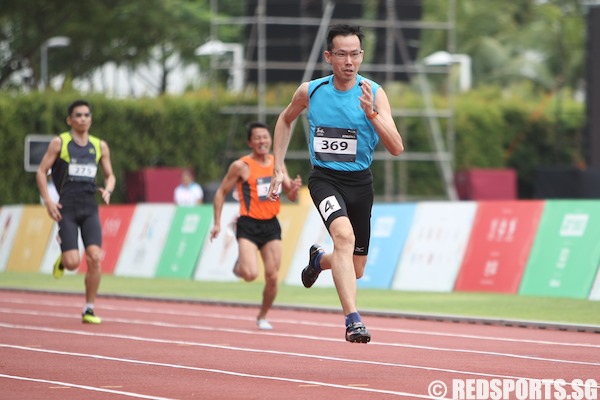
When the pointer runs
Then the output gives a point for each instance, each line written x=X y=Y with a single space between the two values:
x=390 y=224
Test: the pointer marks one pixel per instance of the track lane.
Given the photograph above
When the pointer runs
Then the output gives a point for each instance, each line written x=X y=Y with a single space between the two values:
x=304 y=352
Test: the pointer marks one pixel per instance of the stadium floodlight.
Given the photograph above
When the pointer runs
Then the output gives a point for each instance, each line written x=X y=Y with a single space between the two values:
x=445 y=58
x=218 y=48
x=56 y=41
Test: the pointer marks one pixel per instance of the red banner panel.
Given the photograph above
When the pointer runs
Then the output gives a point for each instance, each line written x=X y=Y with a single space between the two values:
x=152 y=185
x=115 y=222
x=498 y=250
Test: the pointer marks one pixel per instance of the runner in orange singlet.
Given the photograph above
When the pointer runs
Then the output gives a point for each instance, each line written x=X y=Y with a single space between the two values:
x=257 y=228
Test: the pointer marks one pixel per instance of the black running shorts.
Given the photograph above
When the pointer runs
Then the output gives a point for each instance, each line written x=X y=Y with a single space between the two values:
x=79 y=212
x=258 y=231
x=350 y=194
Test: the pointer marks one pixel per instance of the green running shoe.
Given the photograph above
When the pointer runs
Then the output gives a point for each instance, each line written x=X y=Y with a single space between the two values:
x=59 y=269
x=88 y=317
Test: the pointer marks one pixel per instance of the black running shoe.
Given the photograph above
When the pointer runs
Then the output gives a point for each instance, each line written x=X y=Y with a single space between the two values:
x=357 y=333
x=309 y=273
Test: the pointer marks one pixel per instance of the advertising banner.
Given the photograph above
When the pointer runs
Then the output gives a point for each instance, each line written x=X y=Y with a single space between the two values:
x=501 y=239
x=145 y=240
x=10 y=217
x=595 y=293
x=218 y=256
x=566 y=251
x=291 y=218
x=53 y=251
x=188 y=232
x=115 y=220
x=30 y=240
x=390 y=224
x=435 y=246
x=313 y=232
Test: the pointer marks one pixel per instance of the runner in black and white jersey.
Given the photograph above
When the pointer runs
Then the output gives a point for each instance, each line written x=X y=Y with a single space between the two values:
x=74 y=157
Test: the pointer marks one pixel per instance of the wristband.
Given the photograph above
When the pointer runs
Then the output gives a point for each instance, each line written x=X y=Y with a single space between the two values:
x=375 y=113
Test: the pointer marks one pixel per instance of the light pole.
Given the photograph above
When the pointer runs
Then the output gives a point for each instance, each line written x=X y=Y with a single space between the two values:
x=445 y=58
x=216 y=47
x=56 y=41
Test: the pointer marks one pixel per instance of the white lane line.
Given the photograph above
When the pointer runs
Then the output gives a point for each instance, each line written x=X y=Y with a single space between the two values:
x=307 y=337
x=147 y=310
x=262 y=351
x=84 y=387
x=217 y=371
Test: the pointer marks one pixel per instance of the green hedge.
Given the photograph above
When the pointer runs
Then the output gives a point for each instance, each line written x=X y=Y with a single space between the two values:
x=175 y=132
x=493 y=130
x=503 y=129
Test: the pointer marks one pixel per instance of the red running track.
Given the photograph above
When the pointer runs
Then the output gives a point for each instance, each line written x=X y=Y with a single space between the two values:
x=148 y=349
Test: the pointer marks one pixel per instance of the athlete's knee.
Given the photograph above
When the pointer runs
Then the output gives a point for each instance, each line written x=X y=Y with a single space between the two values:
x=71 y=260
x=248 y=275
x=344 y=236
x=251 y=277
x=271 y=277
x=93 y=255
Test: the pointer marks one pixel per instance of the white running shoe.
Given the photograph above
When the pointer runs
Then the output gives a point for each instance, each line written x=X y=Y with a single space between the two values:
x=263 y=325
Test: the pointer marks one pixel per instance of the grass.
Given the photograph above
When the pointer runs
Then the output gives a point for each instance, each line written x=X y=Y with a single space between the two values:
x=476 y=305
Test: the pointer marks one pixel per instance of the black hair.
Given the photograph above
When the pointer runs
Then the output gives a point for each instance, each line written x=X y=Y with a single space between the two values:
x=256 y=124
x=343 y=30
x=78 y=103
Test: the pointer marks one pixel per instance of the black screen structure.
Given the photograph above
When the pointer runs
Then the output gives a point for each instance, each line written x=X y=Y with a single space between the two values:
x=35 y=148
x=592 y=131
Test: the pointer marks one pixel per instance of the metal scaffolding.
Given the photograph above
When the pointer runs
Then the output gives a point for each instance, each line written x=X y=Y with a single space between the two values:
x=441 y=139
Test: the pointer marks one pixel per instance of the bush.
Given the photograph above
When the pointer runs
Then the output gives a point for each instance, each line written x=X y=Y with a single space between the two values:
x=494 y=129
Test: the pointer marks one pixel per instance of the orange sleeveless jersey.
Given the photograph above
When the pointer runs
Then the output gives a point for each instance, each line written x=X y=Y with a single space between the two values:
x=253 y=193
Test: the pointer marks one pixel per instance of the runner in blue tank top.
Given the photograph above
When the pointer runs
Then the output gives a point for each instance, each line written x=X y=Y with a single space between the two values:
x=348 y=116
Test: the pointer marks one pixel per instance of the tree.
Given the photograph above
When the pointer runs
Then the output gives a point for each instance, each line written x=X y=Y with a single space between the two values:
x=128 y=33
x=508 y=41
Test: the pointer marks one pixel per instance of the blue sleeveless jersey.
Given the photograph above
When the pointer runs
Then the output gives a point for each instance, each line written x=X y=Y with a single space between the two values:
x=341 y=136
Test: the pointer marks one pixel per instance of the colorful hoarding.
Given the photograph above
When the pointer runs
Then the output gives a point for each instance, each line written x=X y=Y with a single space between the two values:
x=10 y=217
x=186 y=237
x=115 y=221
x=219 y=255
x=313 y=232
x=30 y=240
x=566 y=251
x=145 y=240
x=435 y=246
x=497 y=253
x=390 y=224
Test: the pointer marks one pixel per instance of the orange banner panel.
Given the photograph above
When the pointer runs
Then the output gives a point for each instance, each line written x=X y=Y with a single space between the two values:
x=30 y=240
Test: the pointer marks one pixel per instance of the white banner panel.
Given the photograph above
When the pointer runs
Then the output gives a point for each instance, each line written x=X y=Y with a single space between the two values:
x=9 y=223
x=314 y=231
x=218 y=257
x=435 y=246
x=145 y=240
